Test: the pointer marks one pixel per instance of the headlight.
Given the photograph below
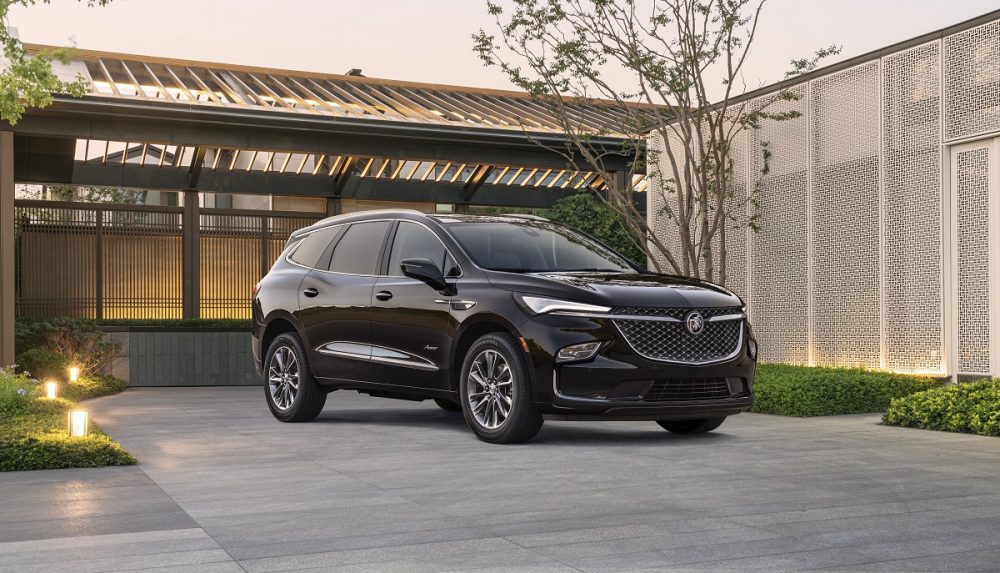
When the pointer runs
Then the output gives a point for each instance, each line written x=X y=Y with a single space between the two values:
x=541 y=305
x=577 y=352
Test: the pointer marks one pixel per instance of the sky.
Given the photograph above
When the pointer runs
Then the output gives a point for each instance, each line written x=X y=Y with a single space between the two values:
x=429 y=40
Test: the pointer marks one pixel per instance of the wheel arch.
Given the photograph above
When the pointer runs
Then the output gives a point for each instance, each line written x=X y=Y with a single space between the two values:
x=275 y=326
x=472 y=329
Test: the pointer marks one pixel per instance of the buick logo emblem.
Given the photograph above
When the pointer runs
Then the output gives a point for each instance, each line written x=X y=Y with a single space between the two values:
x=694 y=322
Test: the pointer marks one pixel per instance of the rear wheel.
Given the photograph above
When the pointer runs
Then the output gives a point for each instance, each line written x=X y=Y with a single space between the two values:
x=496 y=391
x=292 y=393
x=448 y=405
x=692 y=426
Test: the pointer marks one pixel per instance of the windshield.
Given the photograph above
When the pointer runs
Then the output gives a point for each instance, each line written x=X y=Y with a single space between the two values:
x=534 y=248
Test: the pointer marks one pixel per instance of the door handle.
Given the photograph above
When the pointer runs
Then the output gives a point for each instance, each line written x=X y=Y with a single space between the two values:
x=310 y=292
x=383 y=295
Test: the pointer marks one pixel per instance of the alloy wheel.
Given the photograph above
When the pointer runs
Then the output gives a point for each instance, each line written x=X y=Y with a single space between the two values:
x=491 y=392
x=283 y=378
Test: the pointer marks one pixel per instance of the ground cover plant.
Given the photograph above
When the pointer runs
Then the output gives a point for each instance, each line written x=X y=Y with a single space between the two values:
x=33 y=429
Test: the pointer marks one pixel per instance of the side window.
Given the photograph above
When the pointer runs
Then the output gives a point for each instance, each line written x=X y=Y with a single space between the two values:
x=310 y=249
x=357 y=251
x=416 y=242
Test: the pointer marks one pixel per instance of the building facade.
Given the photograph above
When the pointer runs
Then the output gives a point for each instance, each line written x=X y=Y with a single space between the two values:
x=879 y=239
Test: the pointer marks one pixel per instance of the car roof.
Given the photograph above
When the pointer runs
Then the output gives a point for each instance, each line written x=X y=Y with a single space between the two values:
x=412 y=214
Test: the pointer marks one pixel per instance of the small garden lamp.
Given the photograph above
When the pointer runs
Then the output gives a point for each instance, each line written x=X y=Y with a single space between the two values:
x=51 y=389
x=74 y=373
x=78 y=423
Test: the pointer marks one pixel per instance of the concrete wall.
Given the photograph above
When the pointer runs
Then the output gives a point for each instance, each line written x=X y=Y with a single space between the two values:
x=182 y=357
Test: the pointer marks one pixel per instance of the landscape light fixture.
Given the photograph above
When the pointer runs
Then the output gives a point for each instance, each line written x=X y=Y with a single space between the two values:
x=78 y=423
x=50 y=389
x=74 y=373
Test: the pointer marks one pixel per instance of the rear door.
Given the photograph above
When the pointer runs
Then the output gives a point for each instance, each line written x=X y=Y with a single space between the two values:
x=335 y=303
x=411 y=322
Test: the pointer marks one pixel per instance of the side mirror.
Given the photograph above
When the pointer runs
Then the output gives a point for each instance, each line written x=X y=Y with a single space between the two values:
x=426 y=271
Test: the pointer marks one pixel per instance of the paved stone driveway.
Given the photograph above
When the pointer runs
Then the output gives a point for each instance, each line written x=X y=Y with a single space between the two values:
x=378 y=485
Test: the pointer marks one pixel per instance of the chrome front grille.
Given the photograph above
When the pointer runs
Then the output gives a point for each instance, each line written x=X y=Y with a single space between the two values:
x=664 y=337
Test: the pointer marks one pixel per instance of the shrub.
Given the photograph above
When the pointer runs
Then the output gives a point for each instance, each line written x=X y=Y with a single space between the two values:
x=972 y=408
x=234 y=323
x=806 y=391
x=585 y=212
x=42 y=363
x=77 y=341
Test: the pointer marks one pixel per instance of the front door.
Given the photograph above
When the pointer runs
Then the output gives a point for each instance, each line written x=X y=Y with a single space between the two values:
x=411 y=322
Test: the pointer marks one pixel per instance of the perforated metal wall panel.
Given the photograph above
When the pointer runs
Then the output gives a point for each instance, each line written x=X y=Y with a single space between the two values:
x=779 y=299
x=972 y=81
x=972 y=188
x=911 y=210
x=844 y=111
x=736 y=229
x=872 y=251
x=661 y=224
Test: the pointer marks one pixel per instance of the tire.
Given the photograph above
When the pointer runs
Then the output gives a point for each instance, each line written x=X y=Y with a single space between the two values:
x=701 y=426
x=285 y=364
x=448 y=405
x=485 y=396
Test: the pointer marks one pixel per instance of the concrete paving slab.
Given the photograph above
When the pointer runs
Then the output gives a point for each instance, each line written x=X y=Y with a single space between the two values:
x=382 y=485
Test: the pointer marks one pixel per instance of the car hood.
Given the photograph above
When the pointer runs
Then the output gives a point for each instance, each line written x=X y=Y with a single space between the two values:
x=618 y=290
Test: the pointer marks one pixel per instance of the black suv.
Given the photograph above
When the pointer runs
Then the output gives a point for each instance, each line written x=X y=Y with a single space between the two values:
x=504 y=318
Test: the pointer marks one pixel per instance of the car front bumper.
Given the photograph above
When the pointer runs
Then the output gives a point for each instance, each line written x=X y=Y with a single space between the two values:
x=618 y=384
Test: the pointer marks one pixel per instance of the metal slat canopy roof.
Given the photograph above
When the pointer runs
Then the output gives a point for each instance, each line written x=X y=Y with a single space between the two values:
x=215 y=85
x=162 y=123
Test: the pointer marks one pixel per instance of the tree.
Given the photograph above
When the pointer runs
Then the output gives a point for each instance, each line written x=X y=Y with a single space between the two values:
x=585 y=212
x=560 y=50
x=28 y=81
x=84 y=194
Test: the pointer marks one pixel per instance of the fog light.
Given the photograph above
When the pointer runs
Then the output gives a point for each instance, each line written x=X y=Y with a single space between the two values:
x=78 y=423
x=50 y=390
x=74 y=373
x=577 y=352
x=752 y=349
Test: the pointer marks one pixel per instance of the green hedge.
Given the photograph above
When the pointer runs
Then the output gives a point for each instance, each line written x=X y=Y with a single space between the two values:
x=806 y=391
x=972 y=408
x=181 y=323
x=33 y=431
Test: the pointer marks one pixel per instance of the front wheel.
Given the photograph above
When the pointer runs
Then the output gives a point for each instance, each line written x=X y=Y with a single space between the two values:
x=692 y=426
x=292 y=393
x=496 y=391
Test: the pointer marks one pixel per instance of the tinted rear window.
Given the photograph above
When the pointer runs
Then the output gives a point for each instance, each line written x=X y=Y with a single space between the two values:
x=312 y=247
x=357 y=251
